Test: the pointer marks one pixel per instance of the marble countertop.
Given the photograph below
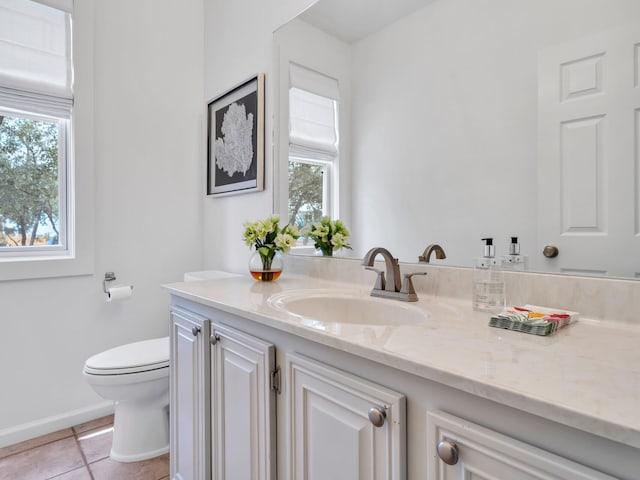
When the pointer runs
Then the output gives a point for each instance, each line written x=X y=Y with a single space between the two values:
x=586 y=376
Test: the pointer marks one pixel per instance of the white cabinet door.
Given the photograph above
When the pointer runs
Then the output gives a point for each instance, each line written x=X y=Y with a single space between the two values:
x=242 y=406
x=329 y=433
x=483 y=454
x=189 y=401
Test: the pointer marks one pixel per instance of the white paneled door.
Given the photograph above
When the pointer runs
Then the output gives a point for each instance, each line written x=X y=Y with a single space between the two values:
x=189 y=405
x=342 y=427
x=242 y=406
x=588 y=151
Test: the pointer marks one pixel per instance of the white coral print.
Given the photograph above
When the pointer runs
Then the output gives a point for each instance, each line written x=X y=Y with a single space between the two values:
x=234 y=152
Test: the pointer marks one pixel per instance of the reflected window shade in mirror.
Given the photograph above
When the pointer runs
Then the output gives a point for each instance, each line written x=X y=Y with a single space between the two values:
x=451 y=115
x=312 y=125
x=313 y=145
x=314 y=82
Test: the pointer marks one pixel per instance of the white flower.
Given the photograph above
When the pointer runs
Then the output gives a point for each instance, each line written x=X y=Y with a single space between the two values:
x=321 y=230
x=267 y=236
x=338 y=241
x=328 y=235
x=292 y=230
x=284 y=242
x=251 y=233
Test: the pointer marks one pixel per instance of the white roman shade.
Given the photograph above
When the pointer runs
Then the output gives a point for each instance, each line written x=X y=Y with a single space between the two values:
x=314 y=82
x=313 y=101
x=35 y=56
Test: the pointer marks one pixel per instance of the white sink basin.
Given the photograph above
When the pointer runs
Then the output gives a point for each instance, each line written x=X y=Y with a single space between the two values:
x=336 y=306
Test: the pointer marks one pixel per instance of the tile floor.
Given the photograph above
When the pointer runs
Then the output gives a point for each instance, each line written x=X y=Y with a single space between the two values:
x=77 y=453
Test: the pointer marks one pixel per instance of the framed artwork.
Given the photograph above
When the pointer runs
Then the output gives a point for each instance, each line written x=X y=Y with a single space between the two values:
x=235 y=140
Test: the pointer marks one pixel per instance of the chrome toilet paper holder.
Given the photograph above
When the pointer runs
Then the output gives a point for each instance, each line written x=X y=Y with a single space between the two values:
x=108 y=277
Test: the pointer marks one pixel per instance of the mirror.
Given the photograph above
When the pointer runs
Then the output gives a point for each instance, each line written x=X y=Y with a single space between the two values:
x=467 y=120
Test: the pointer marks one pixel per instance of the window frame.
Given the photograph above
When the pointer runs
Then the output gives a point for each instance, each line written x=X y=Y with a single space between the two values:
x=64 y=160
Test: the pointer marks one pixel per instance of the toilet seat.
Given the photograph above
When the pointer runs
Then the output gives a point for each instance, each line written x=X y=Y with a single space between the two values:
x=134 y=357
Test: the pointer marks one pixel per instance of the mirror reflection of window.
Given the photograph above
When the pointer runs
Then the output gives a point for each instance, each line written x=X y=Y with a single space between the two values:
x=313 y=146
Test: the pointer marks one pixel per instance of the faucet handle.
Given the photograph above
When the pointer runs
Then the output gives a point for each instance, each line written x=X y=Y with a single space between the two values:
x=407 y=283
x=380 y=281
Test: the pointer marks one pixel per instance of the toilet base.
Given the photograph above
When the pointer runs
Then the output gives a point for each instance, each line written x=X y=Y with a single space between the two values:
x=140 y=431
x=138 y=458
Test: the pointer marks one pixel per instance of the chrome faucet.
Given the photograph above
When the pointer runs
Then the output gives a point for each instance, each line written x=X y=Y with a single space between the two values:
x=433 y=248
x=389 y=285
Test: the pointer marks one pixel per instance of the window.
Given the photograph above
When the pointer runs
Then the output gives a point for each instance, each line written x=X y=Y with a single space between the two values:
x=35 y=123
x=32 y=185
x=313 y=146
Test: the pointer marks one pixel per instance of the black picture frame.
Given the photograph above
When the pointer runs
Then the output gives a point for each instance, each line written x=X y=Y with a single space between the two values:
x=235 y=140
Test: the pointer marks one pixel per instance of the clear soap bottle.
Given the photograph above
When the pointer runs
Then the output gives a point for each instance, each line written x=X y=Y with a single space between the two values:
x=488 y=281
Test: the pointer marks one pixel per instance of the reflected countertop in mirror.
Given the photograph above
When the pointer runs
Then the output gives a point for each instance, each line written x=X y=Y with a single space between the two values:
x=489 y=119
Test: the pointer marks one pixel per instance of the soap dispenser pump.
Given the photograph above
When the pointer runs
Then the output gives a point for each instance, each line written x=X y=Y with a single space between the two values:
x=513 y=260
x=514 y=246
x=488 y=281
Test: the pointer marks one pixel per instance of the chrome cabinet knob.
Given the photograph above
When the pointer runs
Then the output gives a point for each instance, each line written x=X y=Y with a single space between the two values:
x=377 y=416
x=448 y=451
x=213 y=339
x=195 y=330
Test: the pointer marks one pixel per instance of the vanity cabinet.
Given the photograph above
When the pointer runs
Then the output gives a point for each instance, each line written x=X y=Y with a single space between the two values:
x=342 y=427
x=222 y=401
x=461 y=450
x=223 y=407
x=189 y=396
x=328 y=397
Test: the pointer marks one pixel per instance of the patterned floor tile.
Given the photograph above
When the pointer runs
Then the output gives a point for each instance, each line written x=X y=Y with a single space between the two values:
x=77 y=474
x=96 y=444
x=35 y=442
x=152 y=469
x=42 y=462
x=84 y=455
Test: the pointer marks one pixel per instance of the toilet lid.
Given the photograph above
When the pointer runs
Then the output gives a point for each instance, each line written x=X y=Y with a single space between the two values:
x=131 y=358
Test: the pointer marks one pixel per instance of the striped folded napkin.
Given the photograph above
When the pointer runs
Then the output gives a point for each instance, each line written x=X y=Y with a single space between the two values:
x=533 y=320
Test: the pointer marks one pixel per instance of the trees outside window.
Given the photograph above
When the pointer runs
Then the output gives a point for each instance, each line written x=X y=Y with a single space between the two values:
x=305 y=193
x=29 y=181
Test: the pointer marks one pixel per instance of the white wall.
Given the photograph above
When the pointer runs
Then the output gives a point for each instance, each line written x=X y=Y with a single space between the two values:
x=149 y=113
x=238 y=44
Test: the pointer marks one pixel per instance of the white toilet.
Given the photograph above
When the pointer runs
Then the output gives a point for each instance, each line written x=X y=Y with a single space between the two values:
x=136 y=377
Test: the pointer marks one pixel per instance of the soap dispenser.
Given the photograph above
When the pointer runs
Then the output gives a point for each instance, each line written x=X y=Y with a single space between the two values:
x=488 y=281
x=513 y=260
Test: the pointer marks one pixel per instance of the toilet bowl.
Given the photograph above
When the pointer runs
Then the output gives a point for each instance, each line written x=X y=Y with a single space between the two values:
x=136 y=377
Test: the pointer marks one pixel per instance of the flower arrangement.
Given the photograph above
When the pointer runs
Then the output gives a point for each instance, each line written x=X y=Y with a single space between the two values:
x=268 y=238
x=328 y=235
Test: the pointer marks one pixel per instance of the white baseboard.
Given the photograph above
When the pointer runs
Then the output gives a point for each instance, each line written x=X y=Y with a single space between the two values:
x=42 y=426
